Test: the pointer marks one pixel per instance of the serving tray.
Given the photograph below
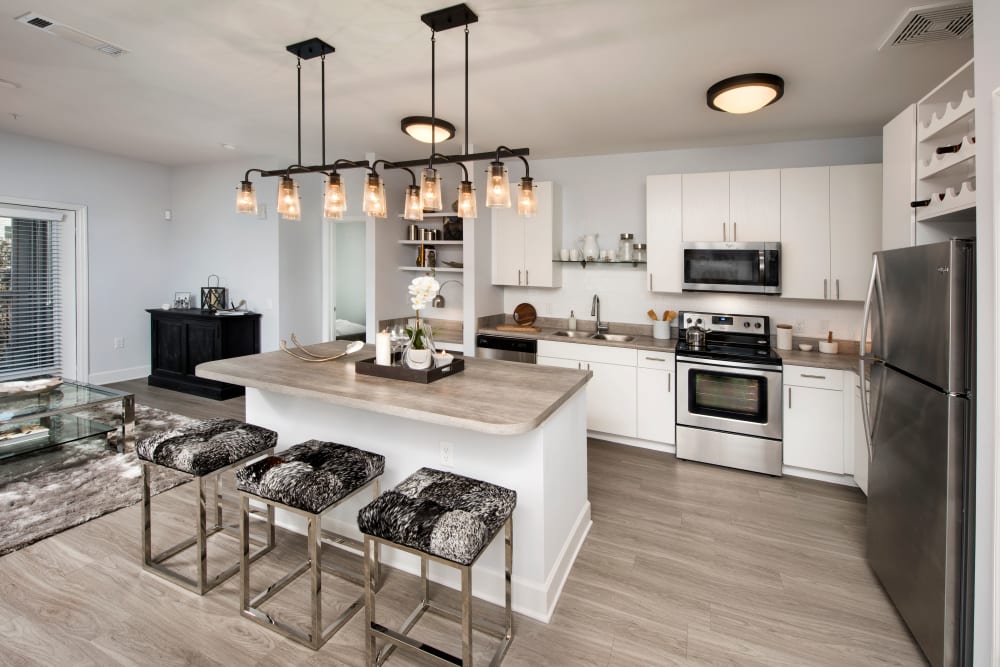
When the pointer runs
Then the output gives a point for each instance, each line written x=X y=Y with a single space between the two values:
x=369 y=367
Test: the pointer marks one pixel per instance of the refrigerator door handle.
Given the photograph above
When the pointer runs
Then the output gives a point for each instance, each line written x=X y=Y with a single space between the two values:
x=865 y=416
x=865 y=320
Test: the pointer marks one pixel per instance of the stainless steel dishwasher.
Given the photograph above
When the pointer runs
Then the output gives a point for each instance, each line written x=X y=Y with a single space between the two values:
x=506 y=348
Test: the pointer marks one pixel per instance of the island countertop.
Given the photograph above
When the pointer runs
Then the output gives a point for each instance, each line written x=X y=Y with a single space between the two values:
x=497 y=397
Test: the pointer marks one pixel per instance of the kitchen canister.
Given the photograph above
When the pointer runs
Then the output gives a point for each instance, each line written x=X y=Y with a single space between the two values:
x=638 y=252
x=784 y=333
x=625 y=242
x=661 y=330
x=412 y=233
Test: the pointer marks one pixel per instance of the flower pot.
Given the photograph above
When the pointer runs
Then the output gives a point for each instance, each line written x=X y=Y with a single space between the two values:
x=418 y=359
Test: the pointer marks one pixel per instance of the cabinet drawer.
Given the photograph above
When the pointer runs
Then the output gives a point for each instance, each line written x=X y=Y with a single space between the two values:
x=820 y=378
x=657 y=360
x=623 y=356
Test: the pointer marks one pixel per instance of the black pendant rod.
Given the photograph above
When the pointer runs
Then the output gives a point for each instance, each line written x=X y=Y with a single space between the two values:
x=430 y=160
x=466 y=148
x=298 y=69
x=322 y=93
x=448 y=159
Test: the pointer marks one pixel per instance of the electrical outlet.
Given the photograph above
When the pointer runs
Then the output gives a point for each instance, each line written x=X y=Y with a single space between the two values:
x=447 y=454
x=119 y=342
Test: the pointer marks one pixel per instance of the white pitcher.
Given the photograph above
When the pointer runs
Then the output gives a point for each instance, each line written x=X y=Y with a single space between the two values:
x=590 y=249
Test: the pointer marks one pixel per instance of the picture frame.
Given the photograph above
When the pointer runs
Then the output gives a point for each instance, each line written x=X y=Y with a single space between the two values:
x=182 y=300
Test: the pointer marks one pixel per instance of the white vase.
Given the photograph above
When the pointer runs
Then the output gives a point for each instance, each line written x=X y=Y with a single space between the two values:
x=418 y=359
x=590 y=249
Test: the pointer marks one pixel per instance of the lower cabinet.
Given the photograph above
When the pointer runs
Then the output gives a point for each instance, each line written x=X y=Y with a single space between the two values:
x=813 y=414
x=611 y=393
x=655 y=398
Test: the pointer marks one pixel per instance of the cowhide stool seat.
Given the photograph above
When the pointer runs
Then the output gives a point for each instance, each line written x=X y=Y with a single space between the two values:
x=204 y=451
x=308 y=479
x=448 y=519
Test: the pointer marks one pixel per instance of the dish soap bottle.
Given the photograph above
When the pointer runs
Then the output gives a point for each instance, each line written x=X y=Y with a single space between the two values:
x=571 y=322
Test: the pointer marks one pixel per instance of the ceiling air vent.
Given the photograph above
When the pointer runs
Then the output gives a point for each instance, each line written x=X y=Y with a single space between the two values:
x=70 y=34
x=932 y=23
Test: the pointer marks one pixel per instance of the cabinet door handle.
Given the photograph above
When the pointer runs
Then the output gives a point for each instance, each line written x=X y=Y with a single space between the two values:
x=526 y=277
x=814 y=377
x=654 y=359
x=724 y=232
x=734 y=231
x=669 y=378
x=650 y=282
x=838 y=289
x=578 y=366
x=789 y=398
x=824 y=288
x=519 y=276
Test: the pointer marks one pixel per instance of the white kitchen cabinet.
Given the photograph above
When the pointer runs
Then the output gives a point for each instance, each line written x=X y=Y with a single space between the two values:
x=899 y=179
x=830 y=226
x=732 y=206
x=611 y=393
x=524 y=248
x=855 y=228
x=655 y=397
x=813 y=414
x=860 y=444
x=664 y=272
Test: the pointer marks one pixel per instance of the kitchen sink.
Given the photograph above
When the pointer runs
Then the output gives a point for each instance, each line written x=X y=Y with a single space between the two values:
x=573 y=334
x=615 y=338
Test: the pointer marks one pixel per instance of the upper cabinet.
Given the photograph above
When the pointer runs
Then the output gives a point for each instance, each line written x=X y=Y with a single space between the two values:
x=523 y=248
x=830 y=226
x=731 y=206
x=663 y=233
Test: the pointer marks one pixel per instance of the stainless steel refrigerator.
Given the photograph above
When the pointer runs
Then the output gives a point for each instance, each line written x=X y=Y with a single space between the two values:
x=919 y=422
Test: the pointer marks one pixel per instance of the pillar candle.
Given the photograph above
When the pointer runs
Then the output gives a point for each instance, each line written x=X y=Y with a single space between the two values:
x=383 y=349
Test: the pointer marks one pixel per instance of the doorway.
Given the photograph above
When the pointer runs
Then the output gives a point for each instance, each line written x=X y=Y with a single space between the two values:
x=346 y=293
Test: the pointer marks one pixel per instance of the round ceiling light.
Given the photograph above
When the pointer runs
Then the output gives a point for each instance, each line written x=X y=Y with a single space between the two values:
x=419 y=127
x=746 y=93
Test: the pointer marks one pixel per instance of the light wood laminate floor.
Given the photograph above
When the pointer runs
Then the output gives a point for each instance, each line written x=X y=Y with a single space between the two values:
x=686 y=564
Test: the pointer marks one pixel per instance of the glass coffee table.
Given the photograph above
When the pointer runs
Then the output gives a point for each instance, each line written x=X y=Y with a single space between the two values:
x=34 y=420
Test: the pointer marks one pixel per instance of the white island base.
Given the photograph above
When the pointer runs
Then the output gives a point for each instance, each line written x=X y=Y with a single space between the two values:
x=546 y=465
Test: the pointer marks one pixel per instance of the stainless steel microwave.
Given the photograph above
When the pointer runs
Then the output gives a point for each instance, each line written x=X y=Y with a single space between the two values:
x=753 y=268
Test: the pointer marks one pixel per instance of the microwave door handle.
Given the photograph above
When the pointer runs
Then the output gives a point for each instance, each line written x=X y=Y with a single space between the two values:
x=760 y=266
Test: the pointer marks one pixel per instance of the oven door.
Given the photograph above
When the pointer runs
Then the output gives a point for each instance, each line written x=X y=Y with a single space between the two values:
x=729 y=396
x=732 y=267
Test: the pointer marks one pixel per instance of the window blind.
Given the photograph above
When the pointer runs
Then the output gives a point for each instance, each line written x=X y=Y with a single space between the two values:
x=30 y=299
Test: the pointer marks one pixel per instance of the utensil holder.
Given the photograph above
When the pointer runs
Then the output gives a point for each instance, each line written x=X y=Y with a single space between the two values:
x=661 y=330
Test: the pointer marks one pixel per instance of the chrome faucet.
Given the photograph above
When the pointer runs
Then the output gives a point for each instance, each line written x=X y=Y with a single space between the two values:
x=595 y=311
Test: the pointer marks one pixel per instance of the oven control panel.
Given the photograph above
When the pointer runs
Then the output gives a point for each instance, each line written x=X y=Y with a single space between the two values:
x=752 y=324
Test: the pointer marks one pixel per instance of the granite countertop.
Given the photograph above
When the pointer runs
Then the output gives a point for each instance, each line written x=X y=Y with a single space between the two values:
x=497 y=397
x=842 y=362
x=641 y=342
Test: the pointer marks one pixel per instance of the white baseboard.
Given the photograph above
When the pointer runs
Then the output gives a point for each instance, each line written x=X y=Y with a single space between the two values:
x=633 y=442
x=120 y=375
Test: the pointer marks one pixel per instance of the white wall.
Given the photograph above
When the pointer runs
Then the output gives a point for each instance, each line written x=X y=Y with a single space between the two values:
x=127 y=234
x=987 y=73
x=607 y=195
x=207 y=236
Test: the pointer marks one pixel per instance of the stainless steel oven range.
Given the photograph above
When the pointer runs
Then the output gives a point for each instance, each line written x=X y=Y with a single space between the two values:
x=729 y=393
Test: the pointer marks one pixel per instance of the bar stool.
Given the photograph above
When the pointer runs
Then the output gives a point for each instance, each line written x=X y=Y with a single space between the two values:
x=308 y=479
x=448 y=519
x=204 y=451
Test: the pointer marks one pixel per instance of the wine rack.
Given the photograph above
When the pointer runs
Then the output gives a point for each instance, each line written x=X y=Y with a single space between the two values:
x=946 y=150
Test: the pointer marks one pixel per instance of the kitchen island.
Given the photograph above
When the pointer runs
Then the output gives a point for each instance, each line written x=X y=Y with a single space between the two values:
x=517 y=425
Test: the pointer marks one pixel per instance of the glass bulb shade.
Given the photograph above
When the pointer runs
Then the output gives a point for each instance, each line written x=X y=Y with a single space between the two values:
x=419 y=127
x=497 y=187
x=430 y=189
x=746 y=93
x=374 y=197
x=466 y=200
x=527 y=205
x=413 y=209
x=334 y=199
x=288 y=199
x=246 y=198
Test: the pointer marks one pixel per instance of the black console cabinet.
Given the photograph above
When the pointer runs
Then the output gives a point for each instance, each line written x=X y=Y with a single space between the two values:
x=182 y=339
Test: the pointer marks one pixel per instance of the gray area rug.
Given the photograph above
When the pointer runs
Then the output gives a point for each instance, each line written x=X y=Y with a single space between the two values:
x=45 y=493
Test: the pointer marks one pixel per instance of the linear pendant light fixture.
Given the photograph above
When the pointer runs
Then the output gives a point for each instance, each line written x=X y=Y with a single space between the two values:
x=418 y=199
x=746 y=93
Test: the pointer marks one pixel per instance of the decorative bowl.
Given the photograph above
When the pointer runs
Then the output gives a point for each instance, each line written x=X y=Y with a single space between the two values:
x=805 y=347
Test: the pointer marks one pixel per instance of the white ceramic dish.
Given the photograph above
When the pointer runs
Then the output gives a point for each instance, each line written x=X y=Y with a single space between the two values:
x=805 y=347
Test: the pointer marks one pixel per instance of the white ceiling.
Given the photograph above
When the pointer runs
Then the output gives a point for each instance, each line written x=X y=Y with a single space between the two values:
x=564 y=77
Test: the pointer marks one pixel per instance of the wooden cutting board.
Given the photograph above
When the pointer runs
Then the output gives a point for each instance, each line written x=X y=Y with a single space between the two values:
x=513 y=327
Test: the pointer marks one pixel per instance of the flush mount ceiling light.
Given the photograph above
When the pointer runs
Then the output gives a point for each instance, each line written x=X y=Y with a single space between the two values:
x=419 y=127
x=746 y=93
x=417 y=199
